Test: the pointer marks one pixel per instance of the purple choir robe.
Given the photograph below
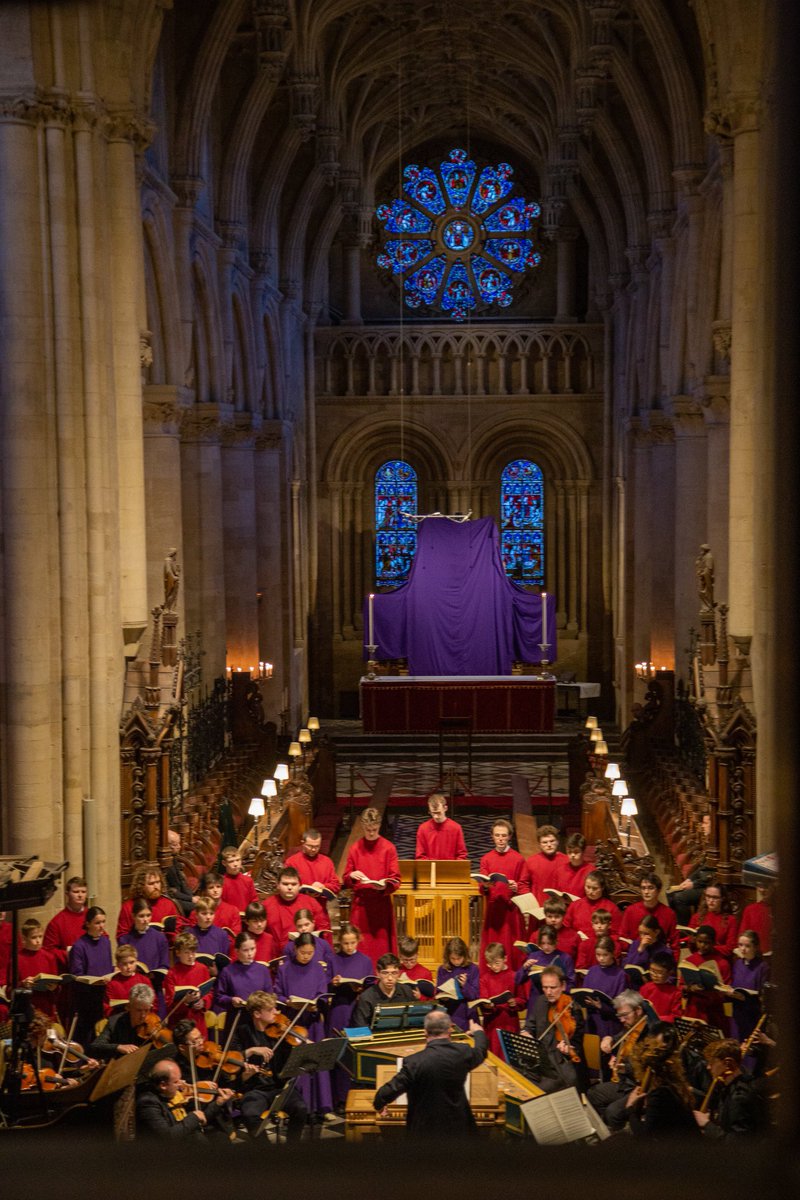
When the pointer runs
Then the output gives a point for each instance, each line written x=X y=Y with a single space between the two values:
x=751 y=975
x=239 y=980
x=89 y=956
x=349 y=966
x=470 y=990
x=324 y=952
x=213 y=940
x=152 y=949
x=611 y=980
x=308 y=980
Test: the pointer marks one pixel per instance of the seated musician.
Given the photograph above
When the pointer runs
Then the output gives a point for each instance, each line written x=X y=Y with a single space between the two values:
x=610 y=1098
x=126 y=977
x=256 y=1037
x=192 y=1054
x=660 y=1106
x=386 y=991
x=737 y=1107
x=126 y=1030
x=163 y=1109
x=558 y=1026
x=440 y=837
x=178 y=888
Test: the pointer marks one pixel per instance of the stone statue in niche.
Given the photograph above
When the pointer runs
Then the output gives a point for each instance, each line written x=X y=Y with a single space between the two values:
x=704 y=568
x=172 y=580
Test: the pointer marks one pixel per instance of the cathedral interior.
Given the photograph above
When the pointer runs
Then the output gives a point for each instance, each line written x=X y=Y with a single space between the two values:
x=225 y=308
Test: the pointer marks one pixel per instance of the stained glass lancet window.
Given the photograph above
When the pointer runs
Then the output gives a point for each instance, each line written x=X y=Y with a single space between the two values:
x=395 y=533
x=522 y=521
x=457 y=237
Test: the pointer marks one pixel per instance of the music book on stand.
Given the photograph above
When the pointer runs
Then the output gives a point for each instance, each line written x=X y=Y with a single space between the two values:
x=561 y=1117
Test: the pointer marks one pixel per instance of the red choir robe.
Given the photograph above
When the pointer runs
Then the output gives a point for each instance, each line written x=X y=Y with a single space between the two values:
x=632 y=917
x=227 y=916
x=501 y=1016
x=6 y=932
x=62 y=932
x=664 y=997
x=180 y=975
x=161 y=908
x=281 y=914
x=266 y=947
x=725 y=926
x=708 y=1005
x=119 y=988
x=502 y=920
x=38 y=962
x=758 y=917
x=568 y=942
x=319 y=869
x=586 y=956
x=445 y=841
x=570 y=879
x=417 y=972
x=239 y=890
x=579 y=915
x=544 y=870
x=372 y=910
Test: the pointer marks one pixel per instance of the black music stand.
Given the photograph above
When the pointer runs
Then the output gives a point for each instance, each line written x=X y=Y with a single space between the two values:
x=276 y=1107
x=524 y=1054
x=310 y=1057
x=394 y=1018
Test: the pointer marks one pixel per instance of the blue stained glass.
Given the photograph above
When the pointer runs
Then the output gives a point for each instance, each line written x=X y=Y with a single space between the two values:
x=512 y=217
x=458 y=175
x=468 y=206
x=395 y=533
x=522 y=521
x=405 y=254
x=458 y=235
x=457 y=297
x=400 y=217
x=427 y=280
x=511 y=252
x=423 y=186
x=490 y=280
x=493 y=184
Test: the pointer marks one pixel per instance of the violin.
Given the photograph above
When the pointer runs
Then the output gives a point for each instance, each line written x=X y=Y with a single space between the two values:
x=48 y=1079
x=208 y=1056
x=152 y=1029
x=281 y=1027
x=559 y=1013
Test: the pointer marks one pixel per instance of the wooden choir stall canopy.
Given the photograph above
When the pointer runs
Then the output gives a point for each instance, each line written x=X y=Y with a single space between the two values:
x=419 y=704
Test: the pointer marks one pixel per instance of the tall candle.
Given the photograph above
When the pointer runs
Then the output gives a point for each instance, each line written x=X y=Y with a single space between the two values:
x=544 y=620
x=370 y=622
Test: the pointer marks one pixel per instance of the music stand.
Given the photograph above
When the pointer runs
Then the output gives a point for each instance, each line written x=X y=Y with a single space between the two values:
x=394 y=1018
x=310 y=1057
x=524 y=1054
x=276 y=1106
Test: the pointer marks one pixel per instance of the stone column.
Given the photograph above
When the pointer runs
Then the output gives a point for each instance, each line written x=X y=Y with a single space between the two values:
x=566 y=239
x=572 y=558
x=662 y=509
x=203 y=541
x=352 y=273
x=745 y=374
x=561 y=555
x=639 y=567
x=716 y=412
x=691 y=531
x=271 y=566
x=240 y=545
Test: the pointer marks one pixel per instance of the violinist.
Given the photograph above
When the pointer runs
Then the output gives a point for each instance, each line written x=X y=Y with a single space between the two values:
x=257 y=1037
x=164 y=1110
x=127 y=1030
x=557 y=1024
x=610 y=1098
x=200 y=1061
x=660 y=1106
x=736 y=1106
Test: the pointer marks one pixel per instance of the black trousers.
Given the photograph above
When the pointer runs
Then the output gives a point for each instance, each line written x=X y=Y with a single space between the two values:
x=256 y=1102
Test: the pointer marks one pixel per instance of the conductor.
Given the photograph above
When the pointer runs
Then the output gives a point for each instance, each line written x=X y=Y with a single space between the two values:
x=433 y=1080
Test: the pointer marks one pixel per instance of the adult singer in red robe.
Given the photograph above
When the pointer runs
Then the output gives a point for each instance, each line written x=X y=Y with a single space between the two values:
x=440 y=838
x=502 y=920
x=372 y=857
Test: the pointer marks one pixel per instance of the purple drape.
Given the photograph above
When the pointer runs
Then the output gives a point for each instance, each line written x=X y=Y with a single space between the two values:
x=459 y=613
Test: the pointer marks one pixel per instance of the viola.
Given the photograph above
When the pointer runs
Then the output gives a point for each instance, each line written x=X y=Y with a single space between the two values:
x=208 y=1056
x=559 y=1013
x=48 y=1079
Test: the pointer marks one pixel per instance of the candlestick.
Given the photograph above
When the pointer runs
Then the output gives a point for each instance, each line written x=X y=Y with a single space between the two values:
x=545 y=640
x=370 y=621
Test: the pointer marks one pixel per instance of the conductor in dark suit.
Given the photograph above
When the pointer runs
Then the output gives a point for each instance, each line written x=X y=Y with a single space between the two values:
x=433 y=1081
